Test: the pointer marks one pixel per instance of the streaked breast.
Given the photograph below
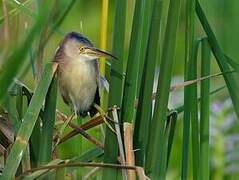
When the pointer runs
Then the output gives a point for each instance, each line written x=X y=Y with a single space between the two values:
x=79 y=80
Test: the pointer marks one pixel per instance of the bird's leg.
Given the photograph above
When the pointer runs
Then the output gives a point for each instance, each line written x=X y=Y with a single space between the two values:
x=59 y=135
x=102 y=114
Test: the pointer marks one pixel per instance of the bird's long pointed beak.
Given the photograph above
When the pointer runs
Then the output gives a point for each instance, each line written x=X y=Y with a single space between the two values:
x=91 y=51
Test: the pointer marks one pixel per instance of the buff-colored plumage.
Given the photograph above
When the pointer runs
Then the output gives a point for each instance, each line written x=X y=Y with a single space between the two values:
x=79 y=77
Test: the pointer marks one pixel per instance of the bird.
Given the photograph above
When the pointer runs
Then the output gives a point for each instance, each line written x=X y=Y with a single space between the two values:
x=80 y=81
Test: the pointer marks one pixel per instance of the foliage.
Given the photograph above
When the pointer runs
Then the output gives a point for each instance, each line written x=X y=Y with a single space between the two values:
x=144 y=135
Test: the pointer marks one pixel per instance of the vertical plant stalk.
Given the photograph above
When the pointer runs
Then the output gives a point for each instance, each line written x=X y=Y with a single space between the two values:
x=103 y=46
x=189 y=37
x=144 y=110
x=116 y=85
x=28 y=123
x=129 y=151
x=194 y=110
x=222 y=60
x=48 y=122
x=34 y=145
x=103 y=33
x=157 y=150
x=172 y=118
x=138 y=44
x=26 y=165
x=205 y=112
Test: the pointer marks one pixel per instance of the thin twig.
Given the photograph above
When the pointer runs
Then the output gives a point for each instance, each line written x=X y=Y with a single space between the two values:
x=78 y=130
x=87 y=136
x=90 y=124
x=66 y=164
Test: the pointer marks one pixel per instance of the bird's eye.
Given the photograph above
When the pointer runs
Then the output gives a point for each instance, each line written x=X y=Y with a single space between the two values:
x=82 y=49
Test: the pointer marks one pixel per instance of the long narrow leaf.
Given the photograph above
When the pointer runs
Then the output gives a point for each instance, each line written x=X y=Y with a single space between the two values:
x=189 y=38
x=48 y=124
x=156 y=157
x=230 y=80
x=194 y=111
x=143 y=116
x=138 y=44
x=205 y=112
x=28 y=123
x=172 y=118
x=116 y=84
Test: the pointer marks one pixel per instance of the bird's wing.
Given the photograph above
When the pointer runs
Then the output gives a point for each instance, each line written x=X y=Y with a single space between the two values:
x=101 y=81
x=104 y=84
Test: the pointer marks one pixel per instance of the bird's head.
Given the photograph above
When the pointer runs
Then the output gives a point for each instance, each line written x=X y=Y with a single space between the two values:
x=79 y=47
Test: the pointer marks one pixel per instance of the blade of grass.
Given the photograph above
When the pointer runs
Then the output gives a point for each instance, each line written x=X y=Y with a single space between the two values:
x=232 y=63
x=230 y=80
x=45 y=155
x=12 y=113
x=34 y=146
x=103 y=46
x=61 y=174
x=26 y=165
x=34 y=143
x=172 y=118
x=194 y=110
x=28 y=123
x=156 y=157
x=205 y=112
x=116 y=85
x=138 y=44
x=144 y=114
x=189 y=38
x=19 y=102
x=103 y=36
